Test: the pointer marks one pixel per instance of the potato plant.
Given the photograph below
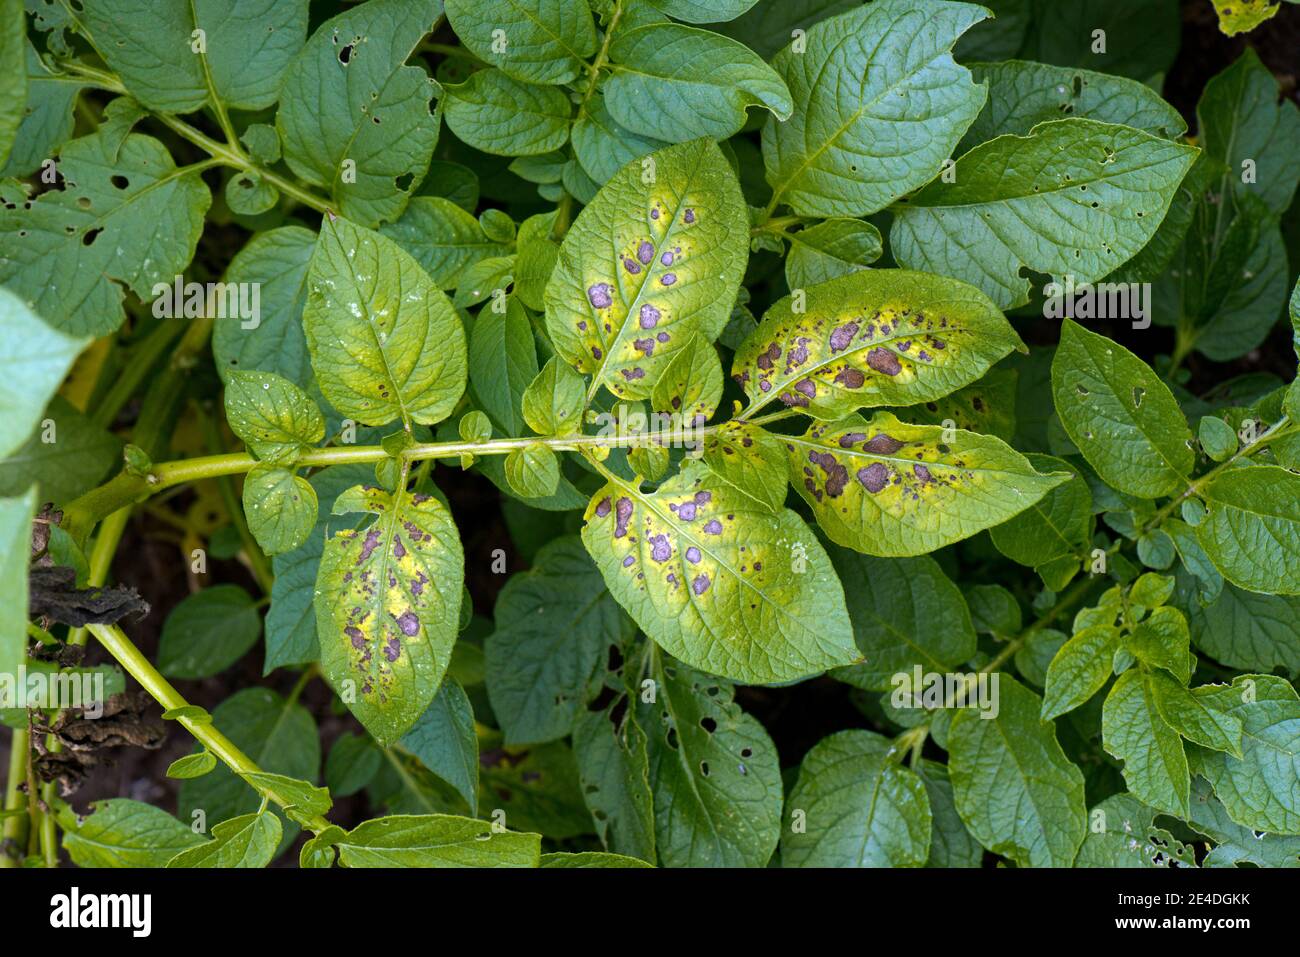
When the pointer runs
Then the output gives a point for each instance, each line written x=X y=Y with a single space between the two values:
x=616 y=433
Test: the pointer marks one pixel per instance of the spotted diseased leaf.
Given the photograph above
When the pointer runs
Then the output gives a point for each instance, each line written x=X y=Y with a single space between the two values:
x=1252 y=529
x=388 y=606
x=497 y=114
x=674 y=83
x=1120 y=414
x=863 y=808
x=280 y=508
x=1155 y=763
x=1015 y=789
x=691 y=384
x=884 y=487
x=749 y=460
x=126 y=216
x=384 y=341
x=879 y=104
x=276 y=419
x=614 y=772
x=646 y=265
x=713 y=770
x=719 y=581
x=1125 y=835
x=881 y=337
x=1074 y=197
x=151 y=47
x=546 y=40
x=353 y=118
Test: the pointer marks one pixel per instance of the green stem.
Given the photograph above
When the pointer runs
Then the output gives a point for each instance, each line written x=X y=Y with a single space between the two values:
x=15 y=827
x=139 y=364
x=258 y=563
x=139 y=667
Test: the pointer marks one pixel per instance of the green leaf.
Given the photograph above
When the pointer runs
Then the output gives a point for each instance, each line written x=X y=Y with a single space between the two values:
x=192 y=766
x=1237 y=844
x=702 y=11
x=861 y=808
x=1218 y=438
x=883 y=487
x=246 y=841
x=436 y=840
x=713 y=770
x=674 y=83
x=880 y=337
x=1248 y=631
x=554 y=624
x=1244 y=16
x=34 y=359
x=767 y=27
x=647 y=264
x=280 y=508
x=275 y=263
x=13 y=85
x=125 y=217
x=208 y=632
x=950 y=843
x=1142 y=35
x=45 y=115
x=1163 y=641
x=444 y=239
x=1015 y=789
x=1120 y=414
x=602 y=145
x=384 y=341
x=1252 y=529
x=496 y=114
x=1155 y=765
x=388 y=606
x=1080 y=199
x=303 y=800
x=276 y=419
x=879 y=104
x=1024 y=94
x=614 y=772
x=535 y=260
x=444 y=740
x=1243 y=120
x=533 y=471
x=123 y=833
x=1258 y=789
x=906 y=613
x=352 y=764
x=1193 y=714
x=690 y=386
x=553 y=401
x=830 y=249
x=749 y=460
x=1123 y=834
x=502 y=362
x=590 y=859
x=545 y=41
x=719 y=581
x=1057 y=525
x=353 y=118
x=153 y=49
x=1079 y=670
x=66 y=455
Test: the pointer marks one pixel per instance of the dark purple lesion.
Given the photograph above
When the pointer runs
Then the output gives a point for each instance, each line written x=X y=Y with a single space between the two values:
x=600 y=295
x=874 y=477
x=649 y=316
x=622 y=515
x=882 y=443
x=884 y=361
x=836 y=474
x=409 y=623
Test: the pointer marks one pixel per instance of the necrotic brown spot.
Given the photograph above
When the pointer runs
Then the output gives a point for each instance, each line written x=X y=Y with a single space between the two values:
x=884 y=361
x=873 y=477
x=883 y=444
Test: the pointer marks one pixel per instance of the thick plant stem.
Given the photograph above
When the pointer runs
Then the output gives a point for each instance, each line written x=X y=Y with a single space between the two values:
x=139 y=667
x=82 y=513
x=15 y=827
